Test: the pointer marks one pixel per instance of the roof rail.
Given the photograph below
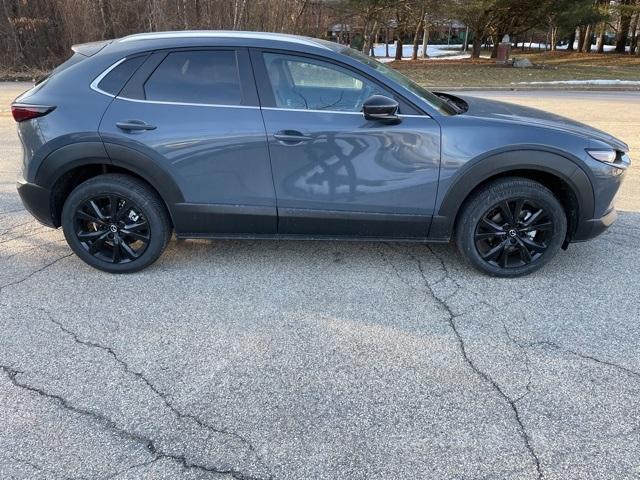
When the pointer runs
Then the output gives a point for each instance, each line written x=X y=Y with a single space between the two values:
x=223 y=34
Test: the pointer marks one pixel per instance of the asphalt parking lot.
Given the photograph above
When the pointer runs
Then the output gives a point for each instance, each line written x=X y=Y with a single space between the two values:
x=309 y=360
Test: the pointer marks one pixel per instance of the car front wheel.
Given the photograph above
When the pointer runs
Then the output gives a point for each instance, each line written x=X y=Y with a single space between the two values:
x=116 y=223
x=511 y=227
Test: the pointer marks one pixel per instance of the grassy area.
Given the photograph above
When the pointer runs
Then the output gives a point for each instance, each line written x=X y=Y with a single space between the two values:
x=549 y=66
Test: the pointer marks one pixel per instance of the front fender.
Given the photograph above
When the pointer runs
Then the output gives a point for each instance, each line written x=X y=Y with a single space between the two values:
x=475 y=172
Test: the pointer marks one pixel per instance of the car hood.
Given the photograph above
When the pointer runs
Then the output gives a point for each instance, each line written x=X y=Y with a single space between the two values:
x=492 y=109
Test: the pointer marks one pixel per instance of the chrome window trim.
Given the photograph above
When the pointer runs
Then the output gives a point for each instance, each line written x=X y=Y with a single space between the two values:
x=98 y=79
x=344 y=112
x=187 y=104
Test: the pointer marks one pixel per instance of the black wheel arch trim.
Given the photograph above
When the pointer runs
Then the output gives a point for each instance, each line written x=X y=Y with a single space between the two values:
x=74 y=155
x=148 y=169
x=68 y=157
x=88 y=140
x=545 y=160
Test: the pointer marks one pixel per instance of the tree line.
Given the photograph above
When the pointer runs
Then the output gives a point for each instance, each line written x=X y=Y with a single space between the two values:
x=587 y=22
x=39 y=33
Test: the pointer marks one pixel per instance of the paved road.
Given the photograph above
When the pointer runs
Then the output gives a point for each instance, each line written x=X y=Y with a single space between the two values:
x=321 y=360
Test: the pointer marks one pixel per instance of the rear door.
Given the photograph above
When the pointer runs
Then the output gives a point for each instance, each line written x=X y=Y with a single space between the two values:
x=335 y=173
x=195 y=112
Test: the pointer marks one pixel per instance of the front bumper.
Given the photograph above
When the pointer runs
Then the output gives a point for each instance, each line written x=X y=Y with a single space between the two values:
x=37 y=201
x=606 y=182
x=594 y=227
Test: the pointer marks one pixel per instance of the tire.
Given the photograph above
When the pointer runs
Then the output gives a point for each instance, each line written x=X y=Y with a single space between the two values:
x=513 y=242
x=116 y=223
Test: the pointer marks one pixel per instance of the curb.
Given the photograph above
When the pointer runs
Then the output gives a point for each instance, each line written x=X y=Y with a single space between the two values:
x=529 y=88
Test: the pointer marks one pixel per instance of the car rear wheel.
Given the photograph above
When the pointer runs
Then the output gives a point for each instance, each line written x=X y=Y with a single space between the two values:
x=116 y=223
x=511 y=227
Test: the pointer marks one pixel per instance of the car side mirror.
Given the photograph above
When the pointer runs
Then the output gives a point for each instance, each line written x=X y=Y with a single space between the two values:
x=381 y=109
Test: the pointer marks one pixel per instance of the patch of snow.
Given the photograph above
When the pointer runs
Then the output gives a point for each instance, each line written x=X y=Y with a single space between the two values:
x=439 y=52
x=543 y=46
x=581 y=82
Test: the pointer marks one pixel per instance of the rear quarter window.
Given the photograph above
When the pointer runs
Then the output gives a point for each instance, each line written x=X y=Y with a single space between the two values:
x=201 y=77
x=113 y=81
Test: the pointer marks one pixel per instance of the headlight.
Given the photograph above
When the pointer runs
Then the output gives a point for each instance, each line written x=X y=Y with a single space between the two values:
x=610 y=157
x=606 y=156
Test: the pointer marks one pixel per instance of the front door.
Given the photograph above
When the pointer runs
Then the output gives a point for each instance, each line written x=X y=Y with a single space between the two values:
x=335 y=173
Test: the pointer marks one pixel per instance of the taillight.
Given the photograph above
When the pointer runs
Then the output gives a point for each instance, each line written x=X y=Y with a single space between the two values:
x=23 y=112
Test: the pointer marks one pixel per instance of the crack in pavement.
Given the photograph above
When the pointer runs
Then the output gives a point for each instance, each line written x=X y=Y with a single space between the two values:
x=584 y=356
x=131 y=467
x=27 y=234
x=12 y=374
x=31 y=249
x=179 y=414
x=13 y=227
x=386 y=259
x=463 y=350
x=527 y=361
x=38 y=468
x=447 y=275
x=163 y=397
x=7 y=212
x=31 y=274
x=510 y=337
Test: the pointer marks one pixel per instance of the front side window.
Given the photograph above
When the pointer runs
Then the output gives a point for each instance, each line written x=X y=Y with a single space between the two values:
x=202 y=77
x=309 y=84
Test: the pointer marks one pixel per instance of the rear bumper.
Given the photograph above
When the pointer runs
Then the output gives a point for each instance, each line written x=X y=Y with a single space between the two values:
x=594 y=227
x=37 y=201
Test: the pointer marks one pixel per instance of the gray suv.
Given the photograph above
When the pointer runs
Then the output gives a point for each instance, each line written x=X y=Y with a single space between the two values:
x=258 y=135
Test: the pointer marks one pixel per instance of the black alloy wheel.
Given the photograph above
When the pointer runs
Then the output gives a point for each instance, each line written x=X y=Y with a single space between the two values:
x=513 y=233
x=112 y=228
x=511 y=227
x=116 y=223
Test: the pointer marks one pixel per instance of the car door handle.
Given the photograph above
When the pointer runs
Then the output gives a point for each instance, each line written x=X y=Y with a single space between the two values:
x=130 y=125
x=291 y=136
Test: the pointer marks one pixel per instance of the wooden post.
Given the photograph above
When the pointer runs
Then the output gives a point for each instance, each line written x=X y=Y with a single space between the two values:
x=425 y=41
x=386 y=41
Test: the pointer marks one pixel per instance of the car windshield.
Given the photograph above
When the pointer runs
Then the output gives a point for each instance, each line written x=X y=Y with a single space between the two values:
x=436 y=102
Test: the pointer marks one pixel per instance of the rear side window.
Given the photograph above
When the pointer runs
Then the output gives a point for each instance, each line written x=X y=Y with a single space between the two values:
x=113 y=82
x=202 y=77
